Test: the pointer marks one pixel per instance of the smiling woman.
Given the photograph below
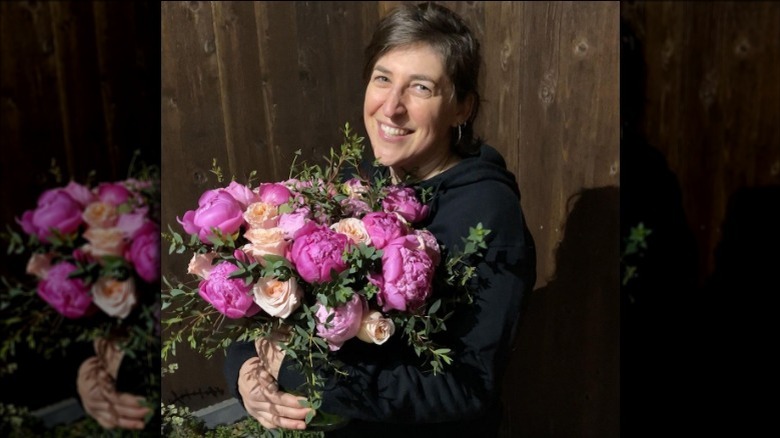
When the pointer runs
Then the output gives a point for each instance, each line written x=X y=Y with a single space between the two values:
x=420 y=97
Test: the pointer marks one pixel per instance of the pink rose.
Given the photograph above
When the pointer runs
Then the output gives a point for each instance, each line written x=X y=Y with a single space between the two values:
x=56 y=210
x=355 y=207
x=144 y=254
x=132 y=224
x=274 y=193
x=356 y=188
x=407 y=275
x=345 y=323
x=113 y=193
x=115 y=298
x=402 y=200
x=216 y=209
x=278 y=298
x=316 y=251
x=39 y=264
x=230 y=296
x=290 y=223
x=241 y=193
x=69 y=296
x=201 y=264
x=383 y=227
x=375 y=329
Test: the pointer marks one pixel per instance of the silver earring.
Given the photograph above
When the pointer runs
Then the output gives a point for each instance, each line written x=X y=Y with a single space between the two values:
x=459 y=135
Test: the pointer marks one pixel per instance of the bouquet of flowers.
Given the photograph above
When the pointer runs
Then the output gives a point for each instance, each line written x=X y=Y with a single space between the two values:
x=325 y=262
x=93 y=270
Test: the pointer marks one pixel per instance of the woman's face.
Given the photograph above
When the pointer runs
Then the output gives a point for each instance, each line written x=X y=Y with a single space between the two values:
x=409 y=109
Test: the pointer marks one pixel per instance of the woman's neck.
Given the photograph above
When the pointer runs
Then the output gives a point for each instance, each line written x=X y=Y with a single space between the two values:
x=437 y=166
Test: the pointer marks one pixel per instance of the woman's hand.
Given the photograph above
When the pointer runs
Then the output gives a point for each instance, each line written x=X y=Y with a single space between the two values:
x=263 y=400
x=96 y=385
x=90 y=384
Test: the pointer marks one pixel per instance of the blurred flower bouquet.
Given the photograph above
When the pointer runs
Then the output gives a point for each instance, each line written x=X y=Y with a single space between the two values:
x=323 y=261
x=93 y=269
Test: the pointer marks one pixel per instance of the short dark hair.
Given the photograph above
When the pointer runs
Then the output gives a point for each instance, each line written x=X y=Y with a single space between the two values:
x=447 y=33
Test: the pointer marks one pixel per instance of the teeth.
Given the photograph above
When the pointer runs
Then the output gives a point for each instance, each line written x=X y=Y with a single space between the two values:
x=393 y=131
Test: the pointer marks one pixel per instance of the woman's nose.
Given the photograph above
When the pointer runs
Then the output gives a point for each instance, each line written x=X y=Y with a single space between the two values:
x=393 y=104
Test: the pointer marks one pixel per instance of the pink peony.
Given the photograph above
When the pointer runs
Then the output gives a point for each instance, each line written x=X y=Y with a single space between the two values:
x=80 y=193
x=113 y=193
x=56 y=210
x=69 y=296
x=230 y=296
x=274 y=193
x=316 y=251
x=407 y=275
x=344 y=325
x=402 y=200
x=384 y=227
x=427 y=242
x=241 y=193
x=144 y=254
x=216 y=209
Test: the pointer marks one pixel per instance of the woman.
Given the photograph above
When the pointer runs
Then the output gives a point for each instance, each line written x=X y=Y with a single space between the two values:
x=420 y=103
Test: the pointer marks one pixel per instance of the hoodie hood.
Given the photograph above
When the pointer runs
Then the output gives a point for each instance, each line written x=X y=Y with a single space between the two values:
x=486 y=164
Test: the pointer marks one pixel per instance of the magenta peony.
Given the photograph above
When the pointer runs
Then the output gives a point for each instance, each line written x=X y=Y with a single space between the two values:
x=403 y=201
x=216 y=209
x=383 y=227
x=407 y=275
x=69 y=296
x=230 y=296
x=317 y=251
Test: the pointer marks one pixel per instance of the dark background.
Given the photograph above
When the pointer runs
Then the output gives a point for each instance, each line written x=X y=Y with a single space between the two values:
x=78 y=85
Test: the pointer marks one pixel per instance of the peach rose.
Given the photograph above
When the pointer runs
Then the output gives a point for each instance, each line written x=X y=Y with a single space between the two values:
x=277 y=298
x=261 y=215
x=114 y=297
x=376 y=329
x=104 y=241
x=39 y=265
x=354 y=229
x=201 y=264
x=100 y=215
x=265 y=241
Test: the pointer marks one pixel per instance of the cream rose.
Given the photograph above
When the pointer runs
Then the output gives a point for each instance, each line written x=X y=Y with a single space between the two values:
x=261 y=215
x=277 y=298
x=263 y=242
x=100 y=215
x=354 y=229
x=116 y=298
x=376 y=329
x=104 y=241
x=39 y=265
x=201 y=264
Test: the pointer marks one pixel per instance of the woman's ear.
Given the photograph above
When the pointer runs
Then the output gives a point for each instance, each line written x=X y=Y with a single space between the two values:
x=464 y=109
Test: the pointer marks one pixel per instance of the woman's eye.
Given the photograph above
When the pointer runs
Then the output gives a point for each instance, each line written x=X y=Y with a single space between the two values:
x=381 y=79
x=421 y=89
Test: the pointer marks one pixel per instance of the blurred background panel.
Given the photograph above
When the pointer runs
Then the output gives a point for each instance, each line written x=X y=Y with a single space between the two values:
x=78 y=88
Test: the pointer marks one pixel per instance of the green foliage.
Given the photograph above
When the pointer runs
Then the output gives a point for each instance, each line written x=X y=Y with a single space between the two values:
x=633 y=251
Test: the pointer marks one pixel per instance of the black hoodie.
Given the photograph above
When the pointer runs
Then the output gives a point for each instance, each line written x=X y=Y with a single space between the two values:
x=387 y=391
